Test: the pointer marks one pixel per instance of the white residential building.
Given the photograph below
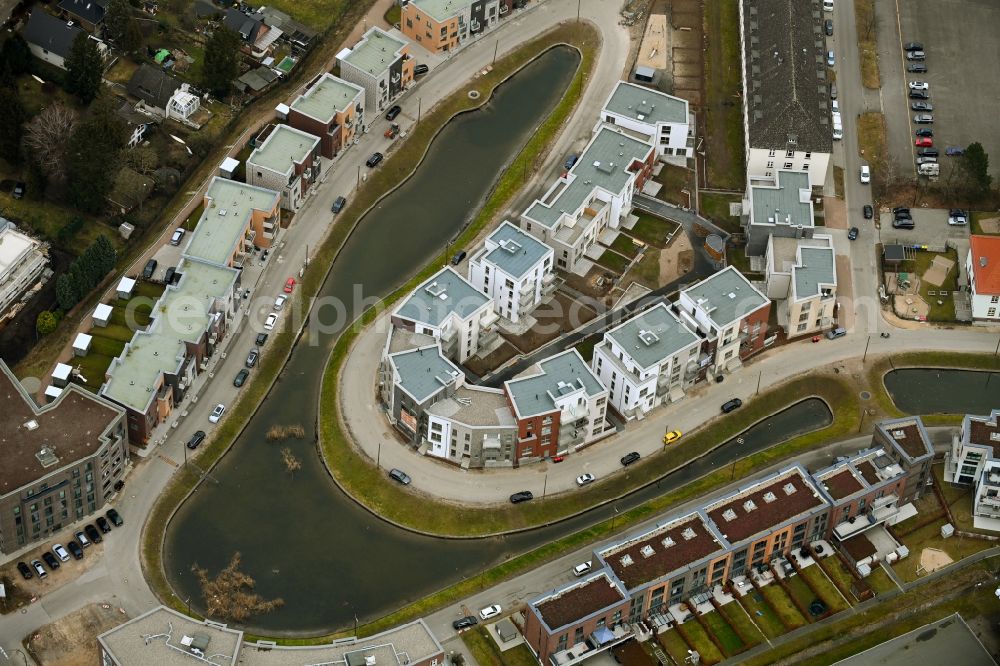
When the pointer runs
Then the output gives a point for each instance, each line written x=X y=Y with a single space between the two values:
x=379 y=63
x=450 y=309
x=514 y=269
x=654 y=117
x=801 y=276
x=646 y=361
x=594 y=197
x=22 y=262
x=780 y=205
x=974 y=460
x=983 y=268
x=288 y=161
x=474 y=427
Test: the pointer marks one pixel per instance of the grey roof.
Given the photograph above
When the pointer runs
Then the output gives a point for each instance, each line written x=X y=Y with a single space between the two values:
x=552 y=378
x=516 y=251
x=945 y=641
x=728 y=296
x=284 y=148
x=49 y=33
x=785 y=76
x=326 y=97
x=91 y=11
x=128 y=646
x=441 y=10
x=423 y=372
x=153 y=86
x=245 y=26
x=603 y=164
x=817 y=269
x=257 y=79
x=787 y=202
x=646 y=105
x=476 y=407
x=441 y=295
x=653 y=336
x=375 y=52
x=228 y=209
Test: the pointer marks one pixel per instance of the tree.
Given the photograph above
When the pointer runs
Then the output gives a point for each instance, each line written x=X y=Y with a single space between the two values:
x=106 y=253
x=46 y=322
x=66 y=292
x=122 y=28
x=976 y=168
x=15 y=56
x=142 y=159
x=94 y=156
x=12 y=128
x=222 y=61
x=230 y=595
x=84 y=67
x=45 y=140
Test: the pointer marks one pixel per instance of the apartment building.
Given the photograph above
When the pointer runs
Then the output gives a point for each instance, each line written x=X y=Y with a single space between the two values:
x=61 y=462
x=288 y=161
x=441 y=26
x=514 y=269
x=333 y=110
x=411 y=381
x=801 y=277
x=379 y=63
x=659 y=119
x=473 y=427
x=560 y=406
x=23 y=260
x=909 y=445
x=594 y=197
x=646 y=361
x=866 y=491
x=780 y=205
x=983 y=268
x=974 y=460
x=729 y=314
x=786 y=110
x=236 y=218
x=453 y=311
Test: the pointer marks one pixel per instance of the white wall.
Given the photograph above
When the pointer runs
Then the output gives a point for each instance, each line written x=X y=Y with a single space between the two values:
x=981 y=303
x=761 y=163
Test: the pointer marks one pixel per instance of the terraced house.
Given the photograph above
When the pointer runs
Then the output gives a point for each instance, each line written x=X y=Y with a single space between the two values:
x=331 y=109
x=443 y=25
x=379 y=63
x=288 y=161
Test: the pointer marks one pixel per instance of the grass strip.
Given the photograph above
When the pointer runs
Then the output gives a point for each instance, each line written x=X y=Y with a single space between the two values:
x=864 y=17
x=762 y=614
x=484 y=650
x=700 y=641
x=783 y=606
x=674 y=644
x=741 y=622
x=826 y=590
x=726 y=635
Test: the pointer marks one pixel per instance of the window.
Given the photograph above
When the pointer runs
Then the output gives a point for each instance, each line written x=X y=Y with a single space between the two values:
x=788 y=165
x=789 y=153
x=609 y=119
x=801 y=327
x=992 y=312
x=770 y=165
x=767 y=173
x=995 y=299
x=808 y=155
x=770 y=153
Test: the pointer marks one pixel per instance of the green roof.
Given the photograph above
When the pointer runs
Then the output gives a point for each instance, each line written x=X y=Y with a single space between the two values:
x=439 y=296
x=283 y=148
x=516 y=252
x=559 y=375
x=788 y=203
x=441 y=10
x=817 y=269
x=375 y=52
x=226 y=215
x=653 y=336
x=602 y=164
x=326 y=98
x=646 y=105
x=727 y=295
x=423 y=372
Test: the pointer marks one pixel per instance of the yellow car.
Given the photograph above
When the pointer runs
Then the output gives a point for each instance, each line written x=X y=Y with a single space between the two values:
x=671 y=437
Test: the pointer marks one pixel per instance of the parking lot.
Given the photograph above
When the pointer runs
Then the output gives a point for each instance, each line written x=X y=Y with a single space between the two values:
x=962 y=54
x=931 y=228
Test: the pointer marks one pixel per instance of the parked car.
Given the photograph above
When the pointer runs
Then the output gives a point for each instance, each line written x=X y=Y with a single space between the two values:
x=374 y=160
x=900 y=209
x=217 y=413
x=954 y=151
x=464 y=622
x=252 y=358
x=50 y=560
x=393 y=112
x=831 y=59
x=921 y=106
x=852 y=234
x=177 y=236
x=82 y=539
x=629 y=458
x=279 y=302
x=584 y=479
x=827 y=5
x=833 y=91
x=75 y=549
x=919 y=94
x=868 y=211
x=957 y=217
x=241 y=377
x=289 y=285
x=927 y=152
x=458 y=258
x=149 y=269
x=903 y=214
x=103 y=524
x=39 y=569
x=915 y=55
x=25 y=570
x=924 y=131
x=923 y=142
x=270 y=321
x=731 y=405
x=923 y=119
x=913 y=46
x=926 y=159
x=196 y=439
x=838 y=332
x=338 y=205
x=170 y=275
x=60 y=552
x=490 y=611
x=583 y=568
x=916 y=68
x=902 y=224
x=19 y=189
x=672 y=436
x=828 y=27
x=522 y=496
x=399 y=476
x=570 y=161
x=93 y=534
x=866 y=174
x=261 y=339
x=919 y=85
x=420 y=70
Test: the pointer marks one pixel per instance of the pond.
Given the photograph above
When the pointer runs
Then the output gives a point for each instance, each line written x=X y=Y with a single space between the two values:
x=941 y=391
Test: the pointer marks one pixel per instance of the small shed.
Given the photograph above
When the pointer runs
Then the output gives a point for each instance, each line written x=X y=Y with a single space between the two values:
x=102 y=313
x=61 y=375
x=82 y=344
x=52 y=392
x=893 y=255
x=645 y=74
x=126 y=287
x=228 y=167
x=282 y=111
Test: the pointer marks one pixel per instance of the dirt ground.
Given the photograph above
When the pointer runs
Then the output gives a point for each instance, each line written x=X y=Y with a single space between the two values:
x=990 y=225
x=676 y=260
x=72 y=641
x=835 y=213
x=938 y=271
x=588 y=284
x=932 y=559
x=561 y=314
x=493 y=360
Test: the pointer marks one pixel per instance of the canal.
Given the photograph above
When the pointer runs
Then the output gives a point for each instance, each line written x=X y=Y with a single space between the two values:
x=939 y=391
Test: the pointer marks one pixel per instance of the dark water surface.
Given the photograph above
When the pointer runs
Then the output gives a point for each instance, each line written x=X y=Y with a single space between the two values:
x=936 y=391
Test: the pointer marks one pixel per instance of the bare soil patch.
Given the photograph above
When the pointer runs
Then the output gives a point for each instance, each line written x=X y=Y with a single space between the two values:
x=72 y=640
x=561 y=314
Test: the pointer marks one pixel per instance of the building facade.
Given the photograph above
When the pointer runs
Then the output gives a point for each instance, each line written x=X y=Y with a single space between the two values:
x=51 y=39
x=23 y=260
x=974 y=460
x=61 y=462
x=379 y=63
x=441 y=26
x=983 y=268
x=514 y=269
x=237 y=217
x=473 y=428
x=331 y=109
x=662 y=120
x=411 y=381
x=801 y=277
x=286 y=161
x=781 y=206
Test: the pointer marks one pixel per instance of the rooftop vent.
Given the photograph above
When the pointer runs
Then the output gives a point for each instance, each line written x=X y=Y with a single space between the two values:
x=995 y=436
x=667 y=542
x=222 y=212
x=510 y=246
x=648 y=338
x=898 y=434
x=626 y=560
x=647 y=551
x=370 y=660
x=31 y=425
x=688 y=534
x=982 y=262
x=729 y=515
x=749 y=506
x=769 y=497
x=47 y=457
x=435 y=289
x=788 y=488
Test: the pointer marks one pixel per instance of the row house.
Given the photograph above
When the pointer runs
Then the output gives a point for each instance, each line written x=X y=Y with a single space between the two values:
x=974 y=460
x=560 y=406
x=514 y=269
x=410 y=382
x=453 y=311
x=473 y=428
x=593 y=197
x=866 y=491
x=801 y=277
x=441 y=26
x=236 y=218
x=61 y=462
x=331 y=109
x=286 y=161
x=23 y=260
x=780 y=205
x=662 y=120
x=646 y=361
x=908 y=443
x=379 y=63
x=982 y=265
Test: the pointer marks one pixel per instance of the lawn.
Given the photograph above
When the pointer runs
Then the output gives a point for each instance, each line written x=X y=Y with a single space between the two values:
x=736 y=256
x=485 y=651
x=929 y=536
x=317 y=14
x=762 y=615
x=723 y=85
x=699 y=639
x=93 y=367
x=675 y=178
x=880 y=582
x=139 y=315
x=46 y=218
x=827 y=590
x=646 y=271
x=192 y=220
x=625 y=245
x=976 y=222
x=715 y=206
x=801 y=593
x=838 y=181
x=783 y=606
x=921 y=262
x=871 y=142
x=740 y=621
x=613 y=261
x=725 y=634
x=674 y=645
x=838 y=574
x=393 y=14
x=652 y=230
x=864 y=17
x=113 y=332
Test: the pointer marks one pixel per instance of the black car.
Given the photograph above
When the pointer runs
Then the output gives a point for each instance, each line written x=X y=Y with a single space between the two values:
x=374 y=160
x=921 y=106
x=338 y=205
x=420 y=70
x=399 y=476
x=458 y=258
x=868 y=211
x=241 y=377
x=916 y=68
x=571 y=161
x=923 y=131
x=919 y=94
x=629 y=458
x=900 y=209
x=913 y=46
x=75 y=550
x=261 y=339
x=102 y=524
x=522 y=496
x=927 y=152
x=252 y=358
x=93 y=534
x=150 y=268
x=393 y=112
x=852 y=234
x=114 y=517
x=168 y=277
x=50 y=560
x=956 y=212
x=731 y=405
x=196 y=439
x=902 y=224
x=19 y=189
x=828 y=27
x=903 y=215
x=464 y=622
x=25 y=570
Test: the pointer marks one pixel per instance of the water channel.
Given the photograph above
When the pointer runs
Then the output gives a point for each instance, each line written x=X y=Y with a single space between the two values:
x=300 y=538
x=938 y=391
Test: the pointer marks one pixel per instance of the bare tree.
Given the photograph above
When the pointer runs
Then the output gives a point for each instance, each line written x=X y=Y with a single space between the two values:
x=292 y=464
x=46 y=138
x=142 y=159
x=230 y=595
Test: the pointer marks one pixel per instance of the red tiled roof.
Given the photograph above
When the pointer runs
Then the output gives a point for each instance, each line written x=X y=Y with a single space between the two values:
x=664 y=559
x=766 y=515
x=987 y=277
x=842 y=484
x=579 y=602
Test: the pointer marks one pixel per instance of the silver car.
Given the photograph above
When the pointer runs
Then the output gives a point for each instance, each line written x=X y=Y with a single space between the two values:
x=923 y=119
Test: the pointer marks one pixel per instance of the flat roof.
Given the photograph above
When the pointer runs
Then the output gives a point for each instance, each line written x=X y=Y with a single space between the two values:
x=441 y=295
x=653 y=336
x=173 y=637
x=424 y=371
x=476 y=406
x=516 y=252
x=228 y=207
x=787 y=202
x=375 y=52
x=841 y=484
x=817 y=270
x=283 y=149
x=945 y=641
x=327 y=97
x=727 y=296
x=646 y=105
x=73 y=426
x=13 y=246
x=983 y=431
x=441 y=10
x=102 y=311
x=578 y=600
x=603 y=164
x=126 y=284
x=657 y=552
x=536 y=391
x=908 y=434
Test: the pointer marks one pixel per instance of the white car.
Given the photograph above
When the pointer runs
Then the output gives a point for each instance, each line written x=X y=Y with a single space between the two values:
x=827 y=5
x=490 y=611
x=217 y=413
x=279 y=302
x=60 y=552
x=269 y=322
x=866 y=175
x=584 y=479
x=835 y=109
x=919 y=85
x=581 y=569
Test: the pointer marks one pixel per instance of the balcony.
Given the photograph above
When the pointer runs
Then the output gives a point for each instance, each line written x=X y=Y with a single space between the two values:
x=600 y=640
x=490 y=317
x=882 y=510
